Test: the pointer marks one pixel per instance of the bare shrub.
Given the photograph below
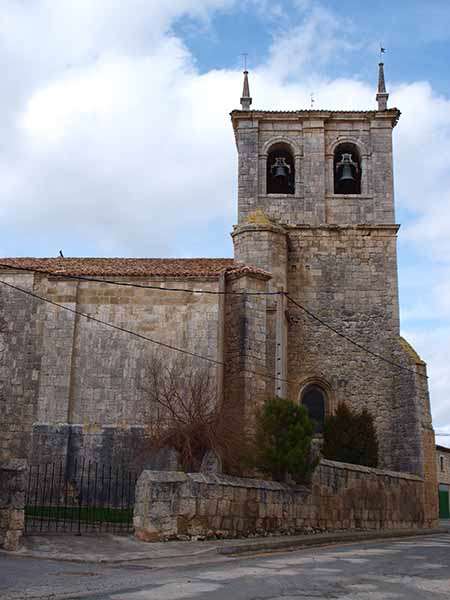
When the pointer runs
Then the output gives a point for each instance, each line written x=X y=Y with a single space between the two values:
x=186 y=413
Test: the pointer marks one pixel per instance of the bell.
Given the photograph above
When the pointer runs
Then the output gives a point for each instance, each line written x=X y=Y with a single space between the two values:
x=280 y=172
x=280 y=169
x=346 y=174
x=347 y=166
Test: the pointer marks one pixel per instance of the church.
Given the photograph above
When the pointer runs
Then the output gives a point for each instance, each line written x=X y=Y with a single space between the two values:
x=307 y=309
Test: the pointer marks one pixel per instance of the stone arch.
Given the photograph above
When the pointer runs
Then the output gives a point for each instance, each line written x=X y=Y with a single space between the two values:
x=316 y=395
x=347 y=169
x=280 y=169
x=365 y=166
x=347 y=139
x=295 y=148
x=282 y=139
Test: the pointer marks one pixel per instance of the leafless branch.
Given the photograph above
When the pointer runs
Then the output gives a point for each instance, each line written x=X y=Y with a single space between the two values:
x=186 y=412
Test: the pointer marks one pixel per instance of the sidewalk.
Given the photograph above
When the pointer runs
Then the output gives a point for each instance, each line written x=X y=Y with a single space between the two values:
x=108 y=548
x=445 y=523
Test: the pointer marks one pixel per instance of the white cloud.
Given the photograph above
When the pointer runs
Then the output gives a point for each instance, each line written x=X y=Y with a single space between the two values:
x=423 y=166
x=41 y=40
x=301 y=50
x=105 y=147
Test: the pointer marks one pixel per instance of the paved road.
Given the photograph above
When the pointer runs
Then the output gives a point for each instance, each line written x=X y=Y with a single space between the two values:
x=412 y=569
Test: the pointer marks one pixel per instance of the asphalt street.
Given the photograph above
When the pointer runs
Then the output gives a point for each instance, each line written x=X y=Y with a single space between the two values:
x=412 y=568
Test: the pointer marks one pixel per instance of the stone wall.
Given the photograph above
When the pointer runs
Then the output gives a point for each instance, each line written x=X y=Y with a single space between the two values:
x=127 y=446
x=312 y=137
x=262 y=244
x=341 y=496
x=77 y=382
x=245 y=381
x=107 y=379
x=12 y=503
x=347 y=277
x=20 y=360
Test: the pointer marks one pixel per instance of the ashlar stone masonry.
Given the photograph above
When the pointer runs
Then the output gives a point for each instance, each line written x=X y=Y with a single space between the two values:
x=71 y=387
x=171 y=505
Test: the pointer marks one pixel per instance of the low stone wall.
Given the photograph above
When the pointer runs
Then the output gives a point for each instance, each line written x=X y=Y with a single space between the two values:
x=12 y=503
x=340 y=496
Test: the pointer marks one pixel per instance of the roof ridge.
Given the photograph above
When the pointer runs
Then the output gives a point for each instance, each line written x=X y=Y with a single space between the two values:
x=133 y=267
x=126 y=258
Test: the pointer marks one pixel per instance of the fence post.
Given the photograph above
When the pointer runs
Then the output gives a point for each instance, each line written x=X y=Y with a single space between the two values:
x=12 y=503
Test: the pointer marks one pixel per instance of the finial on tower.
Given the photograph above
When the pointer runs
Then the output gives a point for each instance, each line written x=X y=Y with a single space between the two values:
x=246 y=99
x=382 y=95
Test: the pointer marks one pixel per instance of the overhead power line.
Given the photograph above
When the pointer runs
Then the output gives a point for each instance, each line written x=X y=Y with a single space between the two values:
x=349 y=339
x=106 y=323
x=136 y=334
x=136 y=285
x=215 y=292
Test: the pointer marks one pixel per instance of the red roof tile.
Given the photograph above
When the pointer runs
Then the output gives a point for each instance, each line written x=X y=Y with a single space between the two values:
x=126 y=267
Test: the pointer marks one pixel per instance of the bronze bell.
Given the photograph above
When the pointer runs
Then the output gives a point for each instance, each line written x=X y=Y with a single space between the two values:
x=280 y=169
x=348 y=168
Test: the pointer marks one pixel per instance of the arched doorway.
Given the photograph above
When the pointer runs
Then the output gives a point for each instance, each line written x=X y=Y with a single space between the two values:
x=313 y=399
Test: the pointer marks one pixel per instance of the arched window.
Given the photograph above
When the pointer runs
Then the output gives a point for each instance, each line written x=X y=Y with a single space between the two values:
x=347 y=169
x=313 y=398
x=280 y=170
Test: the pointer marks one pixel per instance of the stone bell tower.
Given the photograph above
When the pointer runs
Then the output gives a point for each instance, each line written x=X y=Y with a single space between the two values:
x=316 y=210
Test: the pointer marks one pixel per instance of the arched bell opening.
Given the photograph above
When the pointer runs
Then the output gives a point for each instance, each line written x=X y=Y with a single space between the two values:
x=347 y=169
x=313 y=398
x=280 y=170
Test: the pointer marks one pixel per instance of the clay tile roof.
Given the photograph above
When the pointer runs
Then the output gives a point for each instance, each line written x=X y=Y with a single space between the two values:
x=126 y=267
x=242 y=269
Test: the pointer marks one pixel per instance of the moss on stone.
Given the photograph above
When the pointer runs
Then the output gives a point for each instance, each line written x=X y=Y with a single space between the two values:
x=410 y=351
x=258 y=217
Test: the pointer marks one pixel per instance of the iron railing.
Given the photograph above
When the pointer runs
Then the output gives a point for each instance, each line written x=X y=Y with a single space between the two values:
x=80 y=497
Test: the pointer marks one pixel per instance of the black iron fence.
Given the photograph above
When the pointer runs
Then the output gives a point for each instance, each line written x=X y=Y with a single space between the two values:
x=79 y=497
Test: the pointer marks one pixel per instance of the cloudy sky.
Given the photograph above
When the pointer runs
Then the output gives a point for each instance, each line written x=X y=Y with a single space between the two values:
x=115 y=135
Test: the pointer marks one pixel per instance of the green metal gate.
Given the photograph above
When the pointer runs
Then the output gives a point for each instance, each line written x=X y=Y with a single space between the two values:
x=444 y=504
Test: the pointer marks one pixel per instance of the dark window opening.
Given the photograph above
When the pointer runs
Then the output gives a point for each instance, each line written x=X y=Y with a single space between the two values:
x=313 y=399
x=442 y=462
x=347 y=170
x=280 y=170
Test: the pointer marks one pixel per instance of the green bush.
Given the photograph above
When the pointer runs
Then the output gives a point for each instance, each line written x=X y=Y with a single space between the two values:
x=283 y=441
x=350 y=437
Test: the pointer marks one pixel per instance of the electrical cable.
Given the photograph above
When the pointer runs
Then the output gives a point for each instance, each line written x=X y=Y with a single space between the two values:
x=301 y=307
x=136 y=285
x=136 y=334
x=346 y=337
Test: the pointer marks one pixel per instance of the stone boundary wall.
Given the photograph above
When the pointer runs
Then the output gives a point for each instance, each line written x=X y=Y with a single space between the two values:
x=341 y=496
x=12 y=503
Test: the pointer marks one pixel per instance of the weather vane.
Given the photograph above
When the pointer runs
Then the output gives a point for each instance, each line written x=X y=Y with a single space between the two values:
x=382 y=51
x=244 y=60
x=312 y=100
